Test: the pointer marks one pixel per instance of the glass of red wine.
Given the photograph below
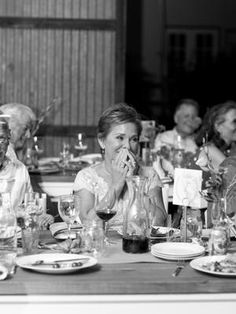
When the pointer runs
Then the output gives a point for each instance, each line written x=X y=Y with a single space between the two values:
x=105 y=213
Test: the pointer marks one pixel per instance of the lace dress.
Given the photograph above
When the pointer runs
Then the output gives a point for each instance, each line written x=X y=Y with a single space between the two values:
x=89 y=179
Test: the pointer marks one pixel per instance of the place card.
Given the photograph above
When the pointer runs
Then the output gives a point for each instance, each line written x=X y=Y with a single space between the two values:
x=187 y=187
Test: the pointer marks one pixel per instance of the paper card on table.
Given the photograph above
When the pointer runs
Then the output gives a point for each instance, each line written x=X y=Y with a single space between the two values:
x=187 y=187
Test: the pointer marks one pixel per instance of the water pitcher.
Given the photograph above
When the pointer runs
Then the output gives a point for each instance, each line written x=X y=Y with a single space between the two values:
x=136 y=220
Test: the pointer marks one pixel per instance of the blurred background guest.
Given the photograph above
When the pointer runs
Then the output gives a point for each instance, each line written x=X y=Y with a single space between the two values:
x=177 y=147
x=187 y=122
x=21 y=122
x=119 y=128
x=14 y=176
x=218 y=134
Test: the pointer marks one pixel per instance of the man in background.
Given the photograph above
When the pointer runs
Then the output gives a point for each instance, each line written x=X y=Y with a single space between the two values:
x=187 y=122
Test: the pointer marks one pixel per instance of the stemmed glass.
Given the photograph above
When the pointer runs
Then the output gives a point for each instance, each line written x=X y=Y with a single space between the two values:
x=68 y=208
x=105 y=213
x=65 y=156
x=81 y=145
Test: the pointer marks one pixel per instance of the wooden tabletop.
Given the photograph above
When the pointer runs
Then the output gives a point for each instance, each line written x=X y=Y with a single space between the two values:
x=145 y=276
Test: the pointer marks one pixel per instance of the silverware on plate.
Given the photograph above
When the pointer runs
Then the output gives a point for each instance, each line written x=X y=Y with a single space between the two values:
x=75 y=262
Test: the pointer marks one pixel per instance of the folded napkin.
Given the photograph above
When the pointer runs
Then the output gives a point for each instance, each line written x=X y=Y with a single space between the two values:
x=3 y=272
x=61 y=227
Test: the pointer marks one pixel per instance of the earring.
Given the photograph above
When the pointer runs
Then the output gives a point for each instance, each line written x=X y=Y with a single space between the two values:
x=102 y=151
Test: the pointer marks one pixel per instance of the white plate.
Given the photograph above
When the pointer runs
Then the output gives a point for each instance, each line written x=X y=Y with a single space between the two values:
x=44 y=170
x=27 y=261
x=65 y=235
x=198 y=262
x=174 y=258
x=182 y=249
x=90 y=158
x=47 y=160
x=162 y=231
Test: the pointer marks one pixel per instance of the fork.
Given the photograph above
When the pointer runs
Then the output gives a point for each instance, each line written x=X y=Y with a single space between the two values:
x=180 y=265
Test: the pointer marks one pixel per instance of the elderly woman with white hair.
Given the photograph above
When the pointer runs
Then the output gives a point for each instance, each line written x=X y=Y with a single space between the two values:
x=14 y=176
x=21 y=123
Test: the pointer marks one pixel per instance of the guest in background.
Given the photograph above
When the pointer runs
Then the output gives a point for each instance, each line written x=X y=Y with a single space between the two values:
x=187 y=122
x=217 y=134
x=14 y=176
x=181 y=138
x=21 y=122
x=119 y=129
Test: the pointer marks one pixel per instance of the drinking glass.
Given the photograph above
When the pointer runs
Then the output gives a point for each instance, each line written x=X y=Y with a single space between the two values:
x=81 y=145
x=65 y=156
x=68 y=208
x=105 y=213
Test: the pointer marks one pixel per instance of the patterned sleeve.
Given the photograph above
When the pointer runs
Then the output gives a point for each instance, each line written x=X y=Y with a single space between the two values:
x=84 y=180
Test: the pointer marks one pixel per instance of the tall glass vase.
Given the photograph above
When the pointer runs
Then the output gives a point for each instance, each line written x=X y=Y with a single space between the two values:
x=136 y=219
x=219 y=240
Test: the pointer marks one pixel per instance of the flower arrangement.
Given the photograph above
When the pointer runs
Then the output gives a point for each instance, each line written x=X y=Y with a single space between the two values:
x=221 y=183
x=214 y=179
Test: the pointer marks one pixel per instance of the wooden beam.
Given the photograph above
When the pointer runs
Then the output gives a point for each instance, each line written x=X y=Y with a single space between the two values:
x=66 y=130
x=120 y=50
x=57 y=23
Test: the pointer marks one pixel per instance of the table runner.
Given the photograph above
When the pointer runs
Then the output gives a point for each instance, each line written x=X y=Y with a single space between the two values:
x=114 y=254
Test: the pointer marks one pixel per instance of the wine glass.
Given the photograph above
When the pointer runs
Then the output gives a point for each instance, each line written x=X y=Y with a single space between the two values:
x=68 y=208
x=81 y=145
x=65 y=156
x=105 y=213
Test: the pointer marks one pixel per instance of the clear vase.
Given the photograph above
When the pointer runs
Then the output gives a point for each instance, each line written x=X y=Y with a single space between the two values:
x=219 y=240
x=136 y=225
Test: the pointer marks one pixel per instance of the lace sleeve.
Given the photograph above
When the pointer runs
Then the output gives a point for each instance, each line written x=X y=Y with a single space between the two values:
x=85 y=180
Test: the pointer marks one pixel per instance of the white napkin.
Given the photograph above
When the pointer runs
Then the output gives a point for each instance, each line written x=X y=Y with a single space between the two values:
x=60 y=227
x=3 y=272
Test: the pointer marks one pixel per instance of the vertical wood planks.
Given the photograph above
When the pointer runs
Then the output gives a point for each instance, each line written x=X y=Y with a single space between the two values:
x=39 y=63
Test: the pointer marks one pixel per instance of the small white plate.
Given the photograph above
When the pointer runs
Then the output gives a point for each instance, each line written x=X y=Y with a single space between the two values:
x=162 y=233
x=44 y=170
x=198 y=263
x=90 y=158
x=176 y=257
x=27 y=262
x=176 y=249
x=47 y=160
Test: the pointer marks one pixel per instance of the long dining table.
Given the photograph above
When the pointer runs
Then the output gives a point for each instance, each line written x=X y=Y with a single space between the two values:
x=119 y=282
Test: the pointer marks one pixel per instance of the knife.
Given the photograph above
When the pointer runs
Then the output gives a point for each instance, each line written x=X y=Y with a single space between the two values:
x=178 y=270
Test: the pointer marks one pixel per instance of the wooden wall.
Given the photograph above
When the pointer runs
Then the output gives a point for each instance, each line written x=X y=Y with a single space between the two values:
x=70 y=49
